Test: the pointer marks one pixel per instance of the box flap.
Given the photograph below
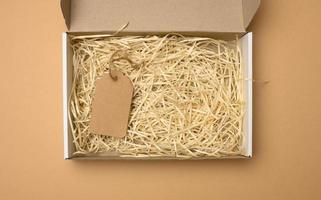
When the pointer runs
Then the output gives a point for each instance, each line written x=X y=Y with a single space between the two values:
x=159 y=16
x=65 y=9
x=249 y=9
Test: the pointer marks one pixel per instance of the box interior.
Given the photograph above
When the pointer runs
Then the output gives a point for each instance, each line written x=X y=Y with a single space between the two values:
x=245 y=45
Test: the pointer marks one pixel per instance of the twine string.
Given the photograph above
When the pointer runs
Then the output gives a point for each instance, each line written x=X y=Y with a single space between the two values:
x=122 y=55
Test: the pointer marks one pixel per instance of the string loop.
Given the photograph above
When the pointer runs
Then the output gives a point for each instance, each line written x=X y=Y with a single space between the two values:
x=122 y=55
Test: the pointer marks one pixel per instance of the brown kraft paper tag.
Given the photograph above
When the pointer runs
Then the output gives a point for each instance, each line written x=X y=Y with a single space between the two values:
x=111 y=105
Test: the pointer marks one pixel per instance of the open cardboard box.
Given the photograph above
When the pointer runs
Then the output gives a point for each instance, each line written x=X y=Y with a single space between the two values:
x=211 y=18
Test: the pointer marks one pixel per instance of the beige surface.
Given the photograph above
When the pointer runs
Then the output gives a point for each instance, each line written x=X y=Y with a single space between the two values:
x=287 y=118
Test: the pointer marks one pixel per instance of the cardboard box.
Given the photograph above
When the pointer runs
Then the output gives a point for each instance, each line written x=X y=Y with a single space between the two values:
x=211 y=18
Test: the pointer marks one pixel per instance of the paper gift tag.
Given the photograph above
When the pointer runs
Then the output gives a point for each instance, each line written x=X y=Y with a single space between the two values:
x=111 y=105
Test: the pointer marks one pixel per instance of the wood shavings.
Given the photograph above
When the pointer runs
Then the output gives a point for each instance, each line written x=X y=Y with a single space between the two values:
x=188 y=96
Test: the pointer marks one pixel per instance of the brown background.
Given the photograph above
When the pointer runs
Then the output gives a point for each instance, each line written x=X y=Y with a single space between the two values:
x=287 y=118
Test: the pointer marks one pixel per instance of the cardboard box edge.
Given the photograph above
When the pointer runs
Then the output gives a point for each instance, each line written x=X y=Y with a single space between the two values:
x=67 y=153
x=249 y=93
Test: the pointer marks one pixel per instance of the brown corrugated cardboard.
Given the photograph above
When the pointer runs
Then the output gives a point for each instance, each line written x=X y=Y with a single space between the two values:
x=159 y=16
x=219 y=18
x=65 y=9
x=249 y=10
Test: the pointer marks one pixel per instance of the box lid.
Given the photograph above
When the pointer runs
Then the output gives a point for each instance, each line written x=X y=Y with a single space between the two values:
x=159 y=15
